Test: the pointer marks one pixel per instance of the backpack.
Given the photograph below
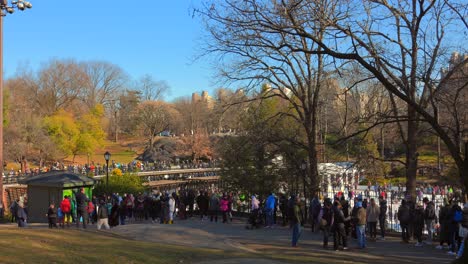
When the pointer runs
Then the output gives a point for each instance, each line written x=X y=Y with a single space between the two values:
x=458 y=216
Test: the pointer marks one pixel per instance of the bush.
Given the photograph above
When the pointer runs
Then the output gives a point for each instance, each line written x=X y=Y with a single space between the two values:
x=124 y=183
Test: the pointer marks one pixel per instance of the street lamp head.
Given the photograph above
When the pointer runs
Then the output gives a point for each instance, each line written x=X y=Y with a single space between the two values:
x=20 y=6
x=107 y=156
x=10 y=10
x=28 y=4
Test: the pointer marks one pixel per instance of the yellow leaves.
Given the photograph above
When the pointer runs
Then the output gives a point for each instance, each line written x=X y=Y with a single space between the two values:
x=117 y=172
x=73 y=135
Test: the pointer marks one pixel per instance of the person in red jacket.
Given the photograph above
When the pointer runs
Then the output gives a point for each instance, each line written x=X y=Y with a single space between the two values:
x=90 y=209
x=65 y=205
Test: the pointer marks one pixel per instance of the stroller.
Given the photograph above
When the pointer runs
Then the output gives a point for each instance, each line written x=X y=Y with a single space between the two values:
x=256 y=219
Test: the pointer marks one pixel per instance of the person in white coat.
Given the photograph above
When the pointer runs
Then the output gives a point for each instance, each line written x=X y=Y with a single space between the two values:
x=172 y=205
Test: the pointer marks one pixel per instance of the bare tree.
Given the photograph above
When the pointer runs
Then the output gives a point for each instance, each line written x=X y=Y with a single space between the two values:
x=104 y=80
x=400 y=43
x=154 y=118
x=250 y=51
x=151 y=89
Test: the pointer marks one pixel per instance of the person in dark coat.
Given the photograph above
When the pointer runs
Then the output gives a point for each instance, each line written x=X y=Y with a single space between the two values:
x=122 y=213
x=346 y=213
x=115 y=214
x=102 y=215
x=325 y=220
x=81 y=204
x=382 y=216
x=52 y=216
x=404 y=218
x=418 y=223
x=21 y=215
x=339 y=232
x=444 y=221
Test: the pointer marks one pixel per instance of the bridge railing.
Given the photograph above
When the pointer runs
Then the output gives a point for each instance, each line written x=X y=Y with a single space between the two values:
x=172 y=174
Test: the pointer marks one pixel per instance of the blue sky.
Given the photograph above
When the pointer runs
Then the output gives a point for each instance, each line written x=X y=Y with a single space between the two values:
x=155 y=37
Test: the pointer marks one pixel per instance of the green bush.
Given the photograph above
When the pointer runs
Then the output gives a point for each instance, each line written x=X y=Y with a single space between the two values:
x=126 y=183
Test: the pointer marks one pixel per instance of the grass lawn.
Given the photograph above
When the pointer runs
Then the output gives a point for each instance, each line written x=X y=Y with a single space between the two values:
x=75 y=246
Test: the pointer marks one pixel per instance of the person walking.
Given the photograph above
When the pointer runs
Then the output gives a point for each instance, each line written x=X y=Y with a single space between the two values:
x=296 y=222
x=382 y=216
x=102 y=216
x=372 y=213
x=404 y=218
x=360 y=221
x=454 y=226
x=21 y=214
x=81 y=203
x=429 y=219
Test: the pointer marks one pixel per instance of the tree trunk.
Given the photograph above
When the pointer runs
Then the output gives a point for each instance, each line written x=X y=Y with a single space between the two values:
x=411 y=154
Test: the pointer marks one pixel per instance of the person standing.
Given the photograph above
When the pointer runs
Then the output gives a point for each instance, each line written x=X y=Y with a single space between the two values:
x=339 y=233
x=326 y=220
x=283 y=205
x=372 y=213
x=52 y=216
x=269 y=210
x=81 y=204
x=314 y=212
x=360 y=222
x=404 y=218
x=429 y=219
x=102 y=216
x=214 y=207
x=444 y=221
x=382 y=216
x=65 y=206
x=418 y=223
x=224 y=206
x=172 y=206
x=296 y=222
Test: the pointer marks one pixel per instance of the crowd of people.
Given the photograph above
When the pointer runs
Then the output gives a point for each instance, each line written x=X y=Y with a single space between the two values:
x=359 y=217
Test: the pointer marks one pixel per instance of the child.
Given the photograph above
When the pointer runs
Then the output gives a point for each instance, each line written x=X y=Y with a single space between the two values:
x=60 y=217
x=52 y=215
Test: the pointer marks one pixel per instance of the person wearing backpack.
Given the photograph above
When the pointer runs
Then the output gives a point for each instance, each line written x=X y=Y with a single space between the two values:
x=429 y=219
x=404 y=218
x=326 y=220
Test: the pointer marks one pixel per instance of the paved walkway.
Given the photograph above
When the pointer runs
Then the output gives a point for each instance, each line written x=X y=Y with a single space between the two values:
x=275 y=243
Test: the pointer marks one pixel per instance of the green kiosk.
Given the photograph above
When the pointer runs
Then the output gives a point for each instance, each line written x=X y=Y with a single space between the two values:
x=51 y=187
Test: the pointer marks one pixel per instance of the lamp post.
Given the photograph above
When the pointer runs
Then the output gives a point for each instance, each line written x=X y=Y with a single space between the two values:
x=4 y=9
x=107 y=156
